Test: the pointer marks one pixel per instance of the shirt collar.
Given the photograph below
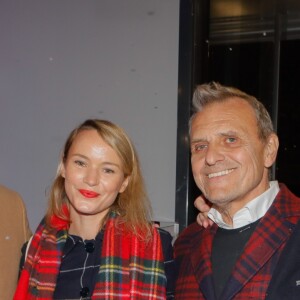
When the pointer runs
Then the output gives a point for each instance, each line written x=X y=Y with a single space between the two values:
x=254 y=210
x=73 y=240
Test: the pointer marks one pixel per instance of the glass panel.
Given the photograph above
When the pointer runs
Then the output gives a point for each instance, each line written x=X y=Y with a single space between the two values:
x=288 y=162
x=247 y=66
x=249 y=42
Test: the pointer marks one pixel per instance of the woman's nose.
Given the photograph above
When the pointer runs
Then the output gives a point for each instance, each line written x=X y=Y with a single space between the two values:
x=92 y=177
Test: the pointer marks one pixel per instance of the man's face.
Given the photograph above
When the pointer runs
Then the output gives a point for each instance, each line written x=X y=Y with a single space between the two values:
x=229 y=161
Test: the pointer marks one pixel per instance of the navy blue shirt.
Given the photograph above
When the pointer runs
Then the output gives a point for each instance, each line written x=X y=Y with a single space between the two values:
x=81 y=261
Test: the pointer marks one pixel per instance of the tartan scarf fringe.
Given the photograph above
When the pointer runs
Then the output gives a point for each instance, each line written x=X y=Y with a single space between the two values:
x=129 y=269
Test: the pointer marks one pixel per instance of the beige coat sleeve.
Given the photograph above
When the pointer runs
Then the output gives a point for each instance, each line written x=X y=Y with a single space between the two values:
x=14 y=232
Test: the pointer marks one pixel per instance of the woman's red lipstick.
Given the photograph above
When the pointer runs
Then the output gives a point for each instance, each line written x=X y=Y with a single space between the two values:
x=88 y=194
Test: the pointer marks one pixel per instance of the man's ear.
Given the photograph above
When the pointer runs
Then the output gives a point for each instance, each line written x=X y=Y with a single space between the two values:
x=271 y=150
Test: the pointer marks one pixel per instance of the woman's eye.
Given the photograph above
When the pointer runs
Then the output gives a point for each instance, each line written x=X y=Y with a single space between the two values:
x=108 y=171
x=79 y=163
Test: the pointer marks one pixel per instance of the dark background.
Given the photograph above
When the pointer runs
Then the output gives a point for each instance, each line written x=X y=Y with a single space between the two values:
x=254 y=46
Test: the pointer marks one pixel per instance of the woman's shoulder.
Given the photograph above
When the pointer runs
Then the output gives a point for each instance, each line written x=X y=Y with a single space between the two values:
x=165 y=236
x=170 y=265
x=166 y=242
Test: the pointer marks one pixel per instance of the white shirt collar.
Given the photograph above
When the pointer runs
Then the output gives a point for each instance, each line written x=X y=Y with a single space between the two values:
x=254 y=210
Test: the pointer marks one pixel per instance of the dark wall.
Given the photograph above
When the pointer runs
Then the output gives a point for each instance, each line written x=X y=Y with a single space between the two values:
x=254 y=46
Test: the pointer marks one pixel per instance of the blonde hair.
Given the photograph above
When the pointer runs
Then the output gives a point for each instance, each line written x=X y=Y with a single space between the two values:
x=132 y=205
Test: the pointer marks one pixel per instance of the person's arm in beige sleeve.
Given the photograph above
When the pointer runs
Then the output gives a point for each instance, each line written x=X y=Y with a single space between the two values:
x=14 y=232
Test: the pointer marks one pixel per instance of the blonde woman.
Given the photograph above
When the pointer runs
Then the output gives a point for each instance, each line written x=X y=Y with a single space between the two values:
x=97 y=240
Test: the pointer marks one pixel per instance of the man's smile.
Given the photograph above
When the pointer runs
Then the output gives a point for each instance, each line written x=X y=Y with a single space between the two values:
x=221 y=173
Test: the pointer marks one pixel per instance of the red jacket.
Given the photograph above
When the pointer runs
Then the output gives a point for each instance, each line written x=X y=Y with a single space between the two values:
x=254 y=269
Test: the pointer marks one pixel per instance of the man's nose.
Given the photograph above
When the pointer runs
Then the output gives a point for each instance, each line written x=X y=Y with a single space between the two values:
x=214 y=154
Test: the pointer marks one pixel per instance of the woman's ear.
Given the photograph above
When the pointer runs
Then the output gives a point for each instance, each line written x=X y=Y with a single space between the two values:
x=61 y=169
x=271 y=150
x=124 y=184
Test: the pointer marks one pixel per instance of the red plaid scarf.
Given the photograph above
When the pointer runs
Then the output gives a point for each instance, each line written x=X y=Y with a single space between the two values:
x=130 y=268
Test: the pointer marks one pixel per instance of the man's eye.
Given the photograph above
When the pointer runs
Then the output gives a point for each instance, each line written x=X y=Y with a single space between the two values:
x=200 y=147
x=231 y=140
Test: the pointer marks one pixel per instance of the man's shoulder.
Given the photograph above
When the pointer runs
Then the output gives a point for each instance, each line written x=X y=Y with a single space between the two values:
x=191 y=229
x=9 y=196
x=287 y=203
x=190 y=233
x=6 y=191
